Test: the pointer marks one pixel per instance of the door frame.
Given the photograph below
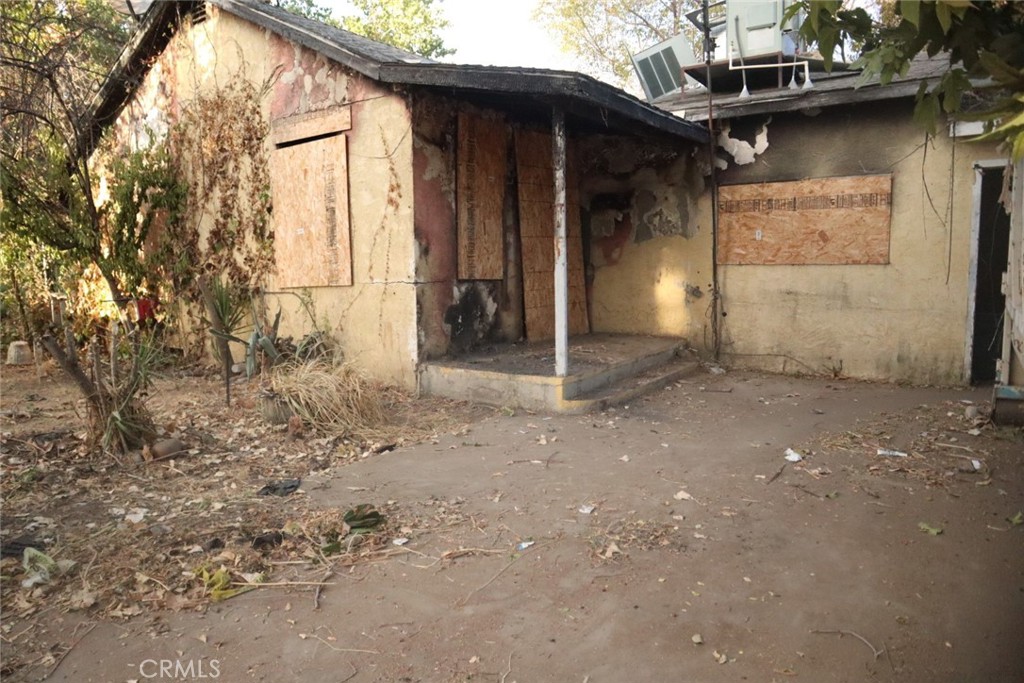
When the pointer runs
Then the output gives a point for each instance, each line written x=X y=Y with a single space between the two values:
x=972 y=274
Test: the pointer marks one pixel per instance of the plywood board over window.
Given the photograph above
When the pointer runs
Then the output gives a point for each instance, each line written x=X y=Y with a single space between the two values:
x=537 y=232
x=482 y=158
x=827 y=221
x=309 y=185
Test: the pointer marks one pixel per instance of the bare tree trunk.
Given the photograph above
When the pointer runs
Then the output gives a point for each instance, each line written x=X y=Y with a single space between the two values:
x=69 y=364
x=26 y=328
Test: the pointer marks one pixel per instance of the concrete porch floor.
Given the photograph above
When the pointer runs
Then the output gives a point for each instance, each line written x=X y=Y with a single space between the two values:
x=604 y=369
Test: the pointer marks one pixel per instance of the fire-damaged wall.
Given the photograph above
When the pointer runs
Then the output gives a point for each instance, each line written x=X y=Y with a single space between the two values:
x=891 y=300
x=484 y=305
x=649 y=268
x=639 y=257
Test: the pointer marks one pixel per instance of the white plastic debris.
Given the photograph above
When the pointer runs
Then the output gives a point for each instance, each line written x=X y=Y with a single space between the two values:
x=524 y=545
x=400 y=541
x=891 y=453
x=976 y=463
x=793 y=456
x=586 y=509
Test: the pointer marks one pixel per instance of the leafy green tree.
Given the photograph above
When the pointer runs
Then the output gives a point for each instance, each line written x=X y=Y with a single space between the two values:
x=413 y=25
x=603 y=34
x=983 y=40
x=53 y=57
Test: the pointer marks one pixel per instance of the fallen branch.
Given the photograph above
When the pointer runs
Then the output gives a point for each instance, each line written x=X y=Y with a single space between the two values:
x=462 y=603
x=807 y=490
x=505 y=675
x=777 y=474
x=68 y=651
x=876 y=652
x=320 y=588
x=280 y=583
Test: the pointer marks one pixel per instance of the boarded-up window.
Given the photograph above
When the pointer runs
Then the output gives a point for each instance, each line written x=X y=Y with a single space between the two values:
x=828 y=221
x=482 y=156
x=537 y=232
x=309 y=182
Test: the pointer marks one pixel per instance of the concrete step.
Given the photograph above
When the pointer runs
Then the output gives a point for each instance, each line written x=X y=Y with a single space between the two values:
x=629 y=388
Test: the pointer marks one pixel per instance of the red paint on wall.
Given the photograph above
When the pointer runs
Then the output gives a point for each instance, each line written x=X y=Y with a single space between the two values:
x=612 y=245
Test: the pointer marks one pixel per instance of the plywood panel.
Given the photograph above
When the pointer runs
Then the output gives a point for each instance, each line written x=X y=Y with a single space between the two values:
x=312 y=244
x=311 y=125
x=482 y=158
x=537 y=234
x=827 y=221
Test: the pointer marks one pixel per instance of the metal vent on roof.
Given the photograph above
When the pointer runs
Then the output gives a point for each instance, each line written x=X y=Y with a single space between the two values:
x=659 y=67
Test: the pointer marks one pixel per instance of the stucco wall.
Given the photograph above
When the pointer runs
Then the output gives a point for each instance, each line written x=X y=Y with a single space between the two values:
x=650 y=240
x=905 y=321
x=374 y=320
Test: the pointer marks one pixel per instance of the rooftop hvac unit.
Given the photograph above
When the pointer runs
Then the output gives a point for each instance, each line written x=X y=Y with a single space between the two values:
x=659 y=67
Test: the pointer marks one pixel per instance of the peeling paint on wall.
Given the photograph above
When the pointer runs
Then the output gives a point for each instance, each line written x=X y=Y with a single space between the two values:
x=633 y=192
x=743 y=152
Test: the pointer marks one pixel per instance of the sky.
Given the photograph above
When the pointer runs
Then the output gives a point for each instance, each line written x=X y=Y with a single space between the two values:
x=494 y=32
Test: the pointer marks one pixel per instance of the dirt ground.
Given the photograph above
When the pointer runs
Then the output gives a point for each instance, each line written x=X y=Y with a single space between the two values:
x=664 y=540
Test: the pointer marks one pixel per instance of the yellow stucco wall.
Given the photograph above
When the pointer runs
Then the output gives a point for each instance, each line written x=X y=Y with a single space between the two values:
x=374 y=320
x=905 y=321
x=651 y=253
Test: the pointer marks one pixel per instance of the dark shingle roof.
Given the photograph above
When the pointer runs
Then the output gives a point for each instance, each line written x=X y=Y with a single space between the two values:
x=593 y=104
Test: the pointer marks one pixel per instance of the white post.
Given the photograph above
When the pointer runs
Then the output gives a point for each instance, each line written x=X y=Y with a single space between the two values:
x=561 y=247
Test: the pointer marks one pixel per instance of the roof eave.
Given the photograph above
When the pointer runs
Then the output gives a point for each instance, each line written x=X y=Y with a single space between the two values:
x=541 y=83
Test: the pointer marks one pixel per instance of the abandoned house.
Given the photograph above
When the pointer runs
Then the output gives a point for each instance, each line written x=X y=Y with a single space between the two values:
x=847 y=242
x=414 y=201
x=454 y=225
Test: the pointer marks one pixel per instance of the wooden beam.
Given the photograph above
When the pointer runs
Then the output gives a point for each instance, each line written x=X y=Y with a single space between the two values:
x=561 y=246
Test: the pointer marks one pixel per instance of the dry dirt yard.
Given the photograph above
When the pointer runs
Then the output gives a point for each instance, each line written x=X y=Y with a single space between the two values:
x=667 y=540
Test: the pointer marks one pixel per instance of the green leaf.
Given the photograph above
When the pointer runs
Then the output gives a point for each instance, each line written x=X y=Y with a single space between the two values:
x=944 y=15
x=929 y=529
x=927 y=110
x=911 y=11
x=1017 y=519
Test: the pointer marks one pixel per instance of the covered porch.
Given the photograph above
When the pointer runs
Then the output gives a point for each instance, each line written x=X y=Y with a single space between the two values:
x=603 y=369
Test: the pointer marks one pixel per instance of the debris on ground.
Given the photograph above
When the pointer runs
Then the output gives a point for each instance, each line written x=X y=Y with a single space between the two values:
x=280 y=488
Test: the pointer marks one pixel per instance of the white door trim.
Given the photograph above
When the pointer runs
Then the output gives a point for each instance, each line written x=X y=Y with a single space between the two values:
x=972 y=276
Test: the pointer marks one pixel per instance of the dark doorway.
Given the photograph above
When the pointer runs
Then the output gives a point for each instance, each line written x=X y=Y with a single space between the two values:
x=993 y=255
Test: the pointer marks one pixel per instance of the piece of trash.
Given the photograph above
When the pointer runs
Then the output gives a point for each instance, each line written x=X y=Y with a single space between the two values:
x=974 y=432
x=891 y=453
x=696 y=638
x=976 y=463
x=929 y=529
x=683 y=495
x=720 y=657
x=524 y=545
x=586 y=509
x=362 y=518
x=624 y=458
x=267 y=541
x=39 y=566
x=716 y=370
x=136 y=515
x=793 y=456
x=280 y=488
x=400 y=541
x=1017 y=519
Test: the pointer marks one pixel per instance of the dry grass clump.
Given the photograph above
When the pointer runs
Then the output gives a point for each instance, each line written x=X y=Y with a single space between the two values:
x=331 y=397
